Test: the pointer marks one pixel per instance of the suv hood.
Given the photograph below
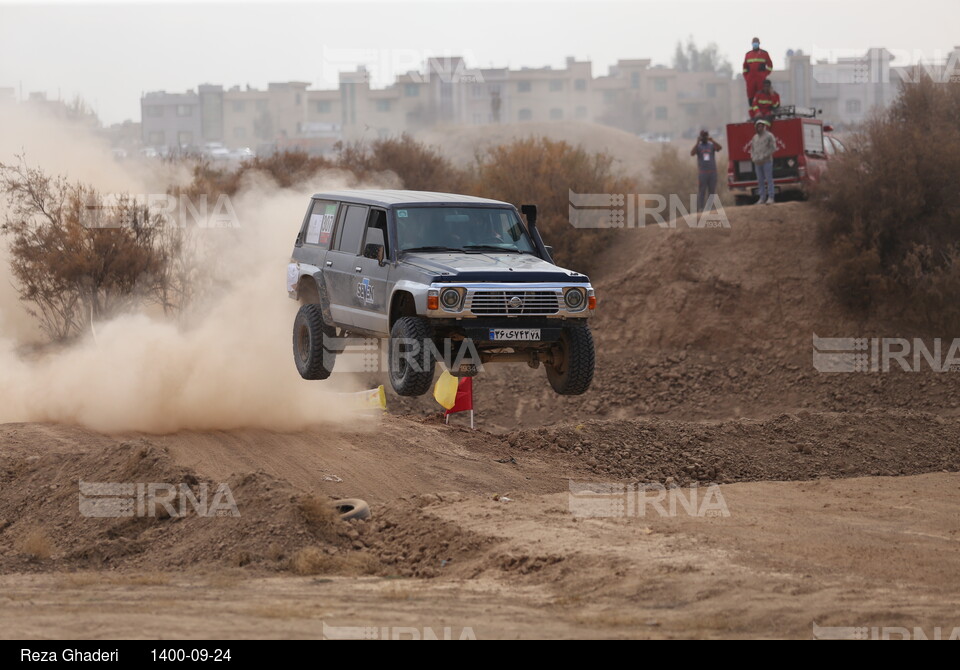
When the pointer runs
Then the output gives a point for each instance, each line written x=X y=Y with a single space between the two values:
x=489 y=266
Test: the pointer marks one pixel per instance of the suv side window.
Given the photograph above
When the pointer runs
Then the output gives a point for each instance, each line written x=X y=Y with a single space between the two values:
x=350 y=232
x=320 y=223
x=378 y=219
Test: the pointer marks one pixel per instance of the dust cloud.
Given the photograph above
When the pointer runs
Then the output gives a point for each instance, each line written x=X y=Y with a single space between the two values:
x=230 y=366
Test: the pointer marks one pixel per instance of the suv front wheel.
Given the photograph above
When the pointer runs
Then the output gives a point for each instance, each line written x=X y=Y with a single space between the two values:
x=573 y=361
x=411 y=357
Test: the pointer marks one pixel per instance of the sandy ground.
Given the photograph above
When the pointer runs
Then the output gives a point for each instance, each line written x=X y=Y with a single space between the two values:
x=858 y=552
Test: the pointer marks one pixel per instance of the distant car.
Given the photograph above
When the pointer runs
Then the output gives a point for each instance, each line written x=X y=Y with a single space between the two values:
x=804 y=149
x=656 y=137
x=424 y=270
x=242 y=154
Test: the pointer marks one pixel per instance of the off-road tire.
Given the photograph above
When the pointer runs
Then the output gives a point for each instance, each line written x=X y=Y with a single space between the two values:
x=742 y=200
x=314 y=361
x=575 y=358
x=405 y=379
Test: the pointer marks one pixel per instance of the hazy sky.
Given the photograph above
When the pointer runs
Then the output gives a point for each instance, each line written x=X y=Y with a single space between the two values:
x=111 y=53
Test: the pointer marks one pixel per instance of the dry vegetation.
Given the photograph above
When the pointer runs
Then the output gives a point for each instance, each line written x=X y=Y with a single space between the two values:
x=77 y=257
x=892 y=206
x=532 y=170
x=318 y=561
x=37 y=545
x=543 y=172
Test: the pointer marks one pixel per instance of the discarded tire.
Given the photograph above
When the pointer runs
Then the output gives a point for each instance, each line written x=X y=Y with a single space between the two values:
x=352 y=508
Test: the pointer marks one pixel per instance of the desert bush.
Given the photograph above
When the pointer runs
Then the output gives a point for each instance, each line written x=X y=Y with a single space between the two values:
x=37 y=545
x=544 y=172
x=673 y=174
x=412 y=164
x=75 y=257
x=891 y=208
x=316 y=561
x=285 y=168
x=418 y=166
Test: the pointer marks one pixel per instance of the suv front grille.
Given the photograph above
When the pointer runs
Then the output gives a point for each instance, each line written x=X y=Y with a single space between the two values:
x=487 y=302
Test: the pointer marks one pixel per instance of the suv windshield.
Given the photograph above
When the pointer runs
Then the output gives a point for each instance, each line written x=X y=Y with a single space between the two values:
x=461 y=229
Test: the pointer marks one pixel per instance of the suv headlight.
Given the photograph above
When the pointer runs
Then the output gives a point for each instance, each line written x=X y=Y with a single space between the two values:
x=575 y=299
x=450 y=299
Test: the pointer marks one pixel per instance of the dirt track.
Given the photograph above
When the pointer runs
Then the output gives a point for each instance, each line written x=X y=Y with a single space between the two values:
x=861 y=552
x=840 y=489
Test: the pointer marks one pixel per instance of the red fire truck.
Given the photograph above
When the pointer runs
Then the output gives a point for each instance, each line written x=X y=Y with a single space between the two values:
x=804 y=148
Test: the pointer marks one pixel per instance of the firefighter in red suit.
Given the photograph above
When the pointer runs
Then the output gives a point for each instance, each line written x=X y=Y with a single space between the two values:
x=765 y=103
x=756 y=66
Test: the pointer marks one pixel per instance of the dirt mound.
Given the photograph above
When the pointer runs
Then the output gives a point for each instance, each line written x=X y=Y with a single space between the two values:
x=247 y=498
x=49 y=505
x=411 y=542
x=788 y=447
x=757 y=286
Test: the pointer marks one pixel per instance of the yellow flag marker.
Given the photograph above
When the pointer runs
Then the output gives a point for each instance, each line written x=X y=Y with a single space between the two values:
x=445 y=391
x=378 y=398
x=372 y=399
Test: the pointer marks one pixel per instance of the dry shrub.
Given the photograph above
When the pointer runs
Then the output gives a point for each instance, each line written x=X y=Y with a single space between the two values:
x=286 y=168
x=321 y=517
x=76 y=257
x=37 y=545
x=892 y=209
x=418 y=166
x=316 y=561
x=543 y=172
x=318 y=511
x=674 y=174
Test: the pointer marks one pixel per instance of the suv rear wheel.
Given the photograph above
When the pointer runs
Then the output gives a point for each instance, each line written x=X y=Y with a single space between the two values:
x=313 y=359
x=574 y=359
x=411 y=361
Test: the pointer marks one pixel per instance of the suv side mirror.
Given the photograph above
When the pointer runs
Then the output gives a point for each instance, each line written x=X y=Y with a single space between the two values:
x=374 y=251
x=374 y=246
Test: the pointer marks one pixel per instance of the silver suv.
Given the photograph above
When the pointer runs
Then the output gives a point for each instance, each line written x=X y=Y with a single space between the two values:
x=443 y=276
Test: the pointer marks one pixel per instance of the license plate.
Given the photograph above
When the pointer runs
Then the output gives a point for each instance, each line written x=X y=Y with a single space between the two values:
x=515 y=334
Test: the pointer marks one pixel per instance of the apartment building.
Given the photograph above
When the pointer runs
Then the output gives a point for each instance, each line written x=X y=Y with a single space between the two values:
x=171 y=120
x=634 y=95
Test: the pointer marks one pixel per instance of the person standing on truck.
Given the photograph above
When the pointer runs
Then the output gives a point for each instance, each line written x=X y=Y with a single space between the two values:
x=765 y=103
x=756 y=68
x=706 y=150
x=762 y=147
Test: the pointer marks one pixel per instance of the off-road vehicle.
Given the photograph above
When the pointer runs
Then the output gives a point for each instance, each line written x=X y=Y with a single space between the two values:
x=436 y=273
